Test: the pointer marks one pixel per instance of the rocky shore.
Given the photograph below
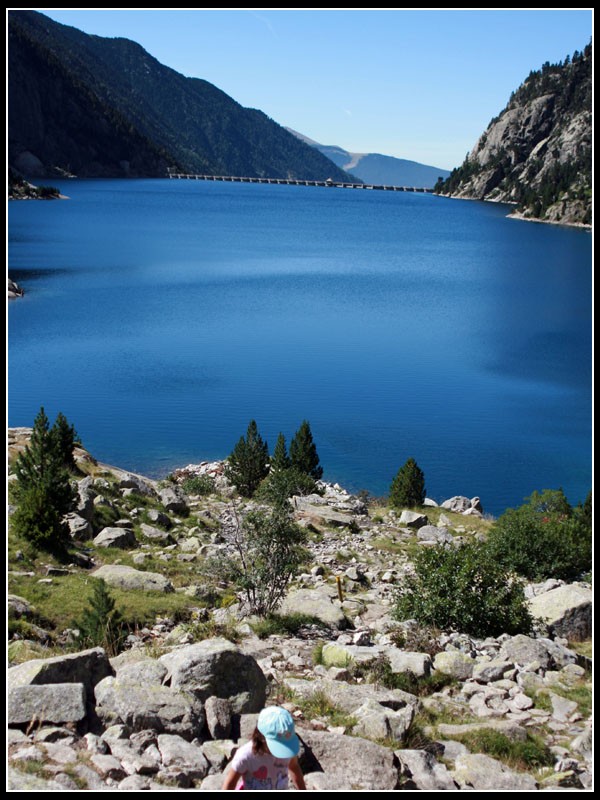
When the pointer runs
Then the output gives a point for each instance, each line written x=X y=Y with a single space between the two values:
x=171 y=709
x=14 y=290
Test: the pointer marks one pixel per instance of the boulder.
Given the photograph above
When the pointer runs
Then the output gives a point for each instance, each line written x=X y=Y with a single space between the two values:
x=319 y=603
x=218 y=717
x=88 y=667
x=419 y=664
x=80 y=528
x=121 y=577
x=413 y=519
x=137 y=483
x=429 y=533
x=523 y=650
x=155 y=534
x=457 y=665
x=216 y=667
x=56 y=702
x=348 y=763
x=173 y=499
x=375 y=721
x=480 y=772
x=157 y=517
x=566 y=610
x=459 y=504
x=137 y=700
x=18 y=607
x=349 y=696
x=420 y=770
x=180 y=756
x=493 y=670
x=116 y=537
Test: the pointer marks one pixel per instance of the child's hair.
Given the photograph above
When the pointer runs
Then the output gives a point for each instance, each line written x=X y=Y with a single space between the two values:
x=259 y=743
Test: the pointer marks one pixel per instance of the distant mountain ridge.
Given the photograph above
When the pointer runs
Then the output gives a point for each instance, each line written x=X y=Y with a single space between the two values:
x=537 y=153
x=94 y=106
x=379 y=169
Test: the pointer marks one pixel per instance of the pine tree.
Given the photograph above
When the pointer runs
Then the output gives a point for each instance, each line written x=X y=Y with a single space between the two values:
x=248 y=463
x=303 y=453
x=280 y=460
x=408 y=487
x=65 y=438
x=44 y=492
x=101 y=624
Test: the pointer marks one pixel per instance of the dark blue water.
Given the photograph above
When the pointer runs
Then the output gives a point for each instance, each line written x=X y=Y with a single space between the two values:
x=161 y=316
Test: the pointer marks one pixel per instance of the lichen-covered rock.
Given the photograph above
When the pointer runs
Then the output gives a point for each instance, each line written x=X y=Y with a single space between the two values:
x=566 y=610
x=56 y=702
x=347 y=762
x=216 y=667
x=480 y=772
x=128 y=578
x=88 y=667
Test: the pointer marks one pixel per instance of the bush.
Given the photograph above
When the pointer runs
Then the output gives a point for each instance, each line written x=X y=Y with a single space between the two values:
x=199 y=484
x=544 y=538
x=280 y=485
x=408 y=487
x=269 y=551
x=463 y=589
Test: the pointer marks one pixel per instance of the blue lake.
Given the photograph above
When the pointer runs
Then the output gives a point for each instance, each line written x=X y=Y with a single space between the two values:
x=161 y=316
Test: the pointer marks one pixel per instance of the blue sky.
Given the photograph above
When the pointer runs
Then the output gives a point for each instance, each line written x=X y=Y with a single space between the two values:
x=418 y=84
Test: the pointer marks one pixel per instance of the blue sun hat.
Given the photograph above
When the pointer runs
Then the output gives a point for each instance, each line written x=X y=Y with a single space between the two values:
x=277 y=726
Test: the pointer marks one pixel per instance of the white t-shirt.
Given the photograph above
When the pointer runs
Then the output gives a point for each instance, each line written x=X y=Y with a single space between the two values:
x=260 y=771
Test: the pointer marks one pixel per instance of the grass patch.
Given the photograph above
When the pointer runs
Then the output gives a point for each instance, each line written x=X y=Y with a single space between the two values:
x=583 y=648
x=532 y=753
x=283 y=624
x=209 y=629
x=379 y=671
x=318 y=706
x=60 y=603
x=580 y=693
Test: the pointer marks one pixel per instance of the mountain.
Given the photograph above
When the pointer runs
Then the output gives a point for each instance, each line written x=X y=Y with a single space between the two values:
x=538 y=152
x=96 y=106
x=379 y=169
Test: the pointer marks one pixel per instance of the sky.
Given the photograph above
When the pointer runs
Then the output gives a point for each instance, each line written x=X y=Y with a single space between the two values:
x=420 y=84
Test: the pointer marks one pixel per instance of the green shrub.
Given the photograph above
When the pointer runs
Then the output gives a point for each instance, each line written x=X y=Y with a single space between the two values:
x=463 y=589
x=199 y=484
x=270 y=550
x=544 y=538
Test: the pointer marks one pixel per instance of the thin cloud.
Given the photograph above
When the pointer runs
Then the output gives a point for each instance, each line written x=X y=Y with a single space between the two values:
x=266 y=22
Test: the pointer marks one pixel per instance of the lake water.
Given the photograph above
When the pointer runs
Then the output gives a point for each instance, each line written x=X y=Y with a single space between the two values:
x=161 y=316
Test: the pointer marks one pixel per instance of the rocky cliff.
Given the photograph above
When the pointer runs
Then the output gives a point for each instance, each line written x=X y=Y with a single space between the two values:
x=537 y=153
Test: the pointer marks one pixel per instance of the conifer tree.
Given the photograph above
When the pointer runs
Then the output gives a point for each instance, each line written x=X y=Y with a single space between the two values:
x=303 y=453
x=280 y=460
x=65 y=438
x=44 y=492
x=248 y=463
x=101 y=624
x=408 y=487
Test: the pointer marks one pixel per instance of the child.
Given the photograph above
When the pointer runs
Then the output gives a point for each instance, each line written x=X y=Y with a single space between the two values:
x=266 y=760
